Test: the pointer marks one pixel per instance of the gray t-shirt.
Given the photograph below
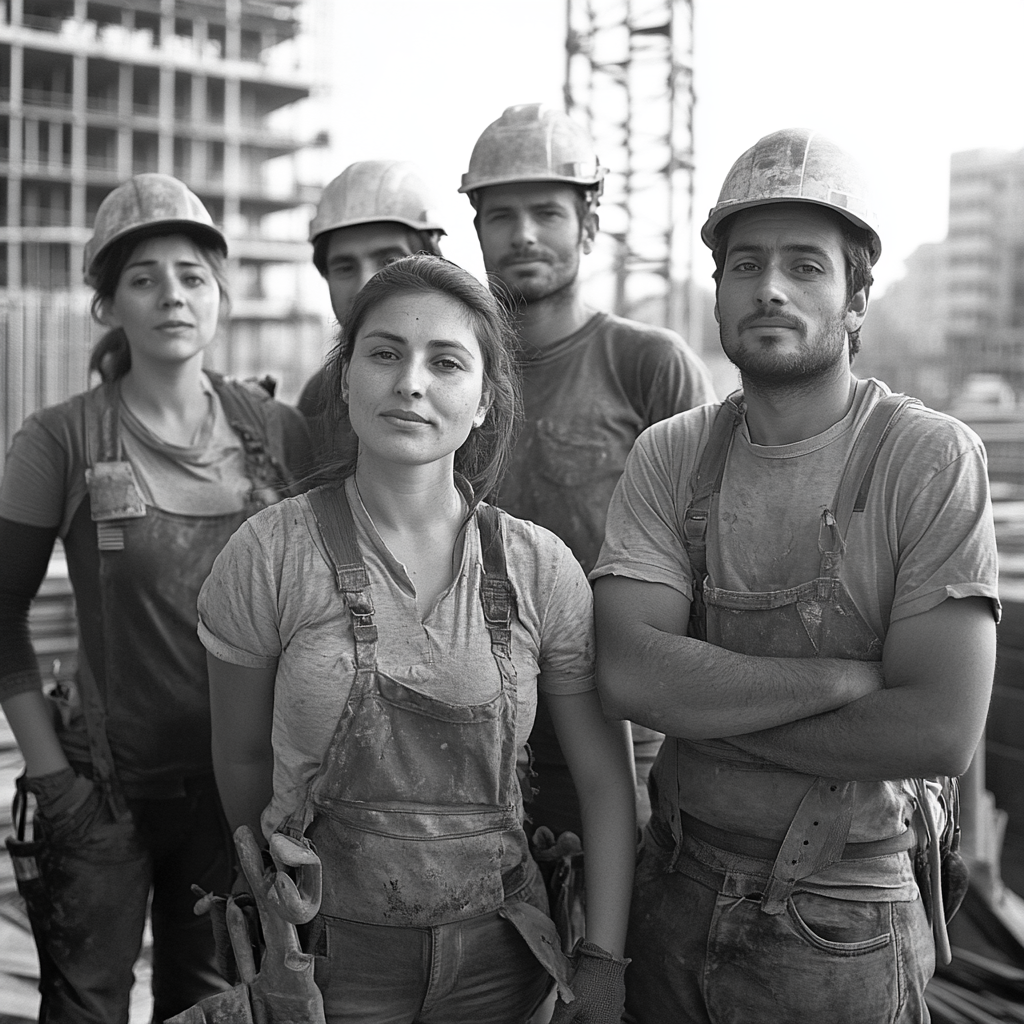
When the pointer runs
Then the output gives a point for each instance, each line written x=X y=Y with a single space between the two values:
x=272 y=600
x=926 y=533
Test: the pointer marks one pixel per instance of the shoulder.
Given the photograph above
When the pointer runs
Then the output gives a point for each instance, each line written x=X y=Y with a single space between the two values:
x=927 y=441
x=632 y=335
x=535 y=556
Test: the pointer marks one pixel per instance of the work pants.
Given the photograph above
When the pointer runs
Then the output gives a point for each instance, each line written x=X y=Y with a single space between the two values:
x=88 y=913
x=704 y=952
x=468 y=972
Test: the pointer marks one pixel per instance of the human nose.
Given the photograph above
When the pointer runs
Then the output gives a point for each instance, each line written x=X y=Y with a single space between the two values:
x=524 y=232
x=771 y=289
x=413 y=379
x=172 y=293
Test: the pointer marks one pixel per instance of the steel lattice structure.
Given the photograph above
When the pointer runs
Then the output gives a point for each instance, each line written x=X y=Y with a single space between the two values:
x=629 y=79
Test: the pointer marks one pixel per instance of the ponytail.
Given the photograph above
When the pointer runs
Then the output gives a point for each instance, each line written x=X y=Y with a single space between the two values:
x=111 y=357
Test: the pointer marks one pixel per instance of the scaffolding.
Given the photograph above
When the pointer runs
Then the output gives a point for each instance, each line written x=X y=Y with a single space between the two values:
x=629 y=80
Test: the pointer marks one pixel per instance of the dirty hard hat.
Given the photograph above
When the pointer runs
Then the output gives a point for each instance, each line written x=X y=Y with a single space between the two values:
x=796 y=165
x=375 y=190
x=533 y=142
x=144 y=202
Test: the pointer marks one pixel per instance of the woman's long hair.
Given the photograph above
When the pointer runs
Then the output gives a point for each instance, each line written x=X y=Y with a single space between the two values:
x=484 y=456
x=111 y=357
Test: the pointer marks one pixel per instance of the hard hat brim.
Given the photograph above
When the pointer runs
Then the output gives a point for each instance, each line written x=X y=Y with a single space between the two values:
x=519 y=179
x=721 y=212
x=208 y=233
x=415 y=225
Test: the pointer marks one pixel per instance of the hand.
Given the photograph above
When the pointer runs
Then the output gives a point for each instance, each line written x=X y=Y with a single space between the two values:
x=598 y=983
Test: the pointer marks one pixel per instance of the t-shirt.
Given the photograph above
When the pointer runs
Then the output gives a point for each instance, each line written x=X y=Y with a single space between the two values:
x=272 y=600
x=586 y=399
x=926 y=533
x=44 y=478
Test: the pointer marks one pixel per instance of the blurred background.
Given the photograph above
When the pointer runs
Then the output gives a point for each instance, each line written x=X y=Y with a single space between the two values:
x=256 y=104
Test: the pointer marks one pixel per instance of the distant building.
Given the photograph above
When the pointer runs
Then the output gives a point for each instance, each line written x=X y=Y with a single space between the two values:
x=985 y=249
x=903 y=341
x=91 y=93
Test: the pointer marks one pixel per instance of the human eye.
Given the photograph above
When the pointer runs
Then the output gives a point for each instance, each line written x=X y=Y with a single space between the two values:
x=194 y=280
x=341 y=268
x=449 y=363
x=808 y=269
x=745 y=266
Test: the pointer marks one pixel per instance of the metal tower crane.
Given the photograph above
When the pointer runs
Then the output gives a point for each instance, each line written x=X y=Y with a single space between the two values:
x=629 y=79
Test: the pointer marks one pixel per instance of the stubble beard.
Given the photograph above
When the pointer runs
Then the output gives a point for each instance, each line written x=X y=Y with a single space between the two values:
x=767 y=370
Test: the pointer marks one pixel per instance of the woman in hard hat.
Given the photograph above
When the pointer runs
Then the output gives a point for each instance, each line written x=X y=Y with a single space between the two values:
x=377 y=647
x=143 y=479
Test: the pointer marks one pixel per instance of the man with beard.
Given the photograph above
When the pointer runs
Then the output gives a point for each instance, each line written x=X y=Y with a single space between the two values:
x=592 y=382
x=799 y=588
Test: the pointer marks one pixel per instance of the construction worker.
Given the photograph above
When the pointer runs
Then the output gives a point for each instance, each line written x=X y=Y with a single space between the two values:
x=374 y=212
x=799 y=587
x=592 y=382
x=143 y=479
x=376 y=650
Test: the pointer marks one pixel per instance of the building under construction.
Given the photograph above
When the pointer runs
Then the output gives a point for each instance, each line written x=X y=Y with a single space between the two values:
x=92 y=93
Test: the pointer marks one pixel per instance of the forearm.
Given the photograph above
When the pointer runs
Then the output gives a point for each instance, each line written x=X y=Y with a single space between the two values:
x=688 y=688
x=609 y=842
x=245 y=790
x=30 y=716
x=928 y=720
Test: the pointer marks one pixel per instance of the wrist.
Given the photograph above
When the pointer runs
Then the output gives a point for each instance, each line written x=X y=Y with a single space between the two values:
x=50 y=786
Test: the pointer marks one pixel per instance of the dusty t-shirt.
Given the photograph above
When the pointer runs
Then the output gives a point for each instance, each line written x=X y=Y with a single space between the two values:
x=272 y=600
x=926 y=533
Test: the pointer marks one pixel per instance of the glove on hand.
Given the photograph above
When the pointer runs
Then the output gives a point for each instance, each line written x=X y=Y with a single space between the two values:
x=598 y=983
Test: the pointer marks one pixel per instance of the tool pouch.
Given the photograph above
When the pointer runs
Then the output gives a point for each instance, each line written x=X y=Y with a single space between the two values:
x=953 y=872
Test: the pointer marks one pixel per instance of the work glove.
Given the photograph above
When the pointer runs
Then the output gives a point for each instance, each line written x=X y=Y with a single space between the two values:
x=598 y=984
x=246 y=925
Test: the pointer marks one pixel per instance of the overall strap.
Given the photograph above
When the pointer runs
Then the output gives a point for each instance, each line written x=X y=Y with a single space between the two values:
x=337 y=527
x=819 y=829
x=246 y=406
x=496 y=593
x=852 y=493
x=706 y=482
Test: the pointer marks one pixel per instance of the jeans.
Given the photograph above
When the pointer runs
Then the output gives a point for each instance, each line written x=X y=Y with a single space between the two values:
x=89 y=907
x=703 y=951
x=468 y=972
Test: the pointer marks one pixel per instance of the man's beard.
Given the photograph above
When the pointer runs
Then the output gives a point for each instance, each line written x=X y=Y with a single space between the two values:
x=761 y=365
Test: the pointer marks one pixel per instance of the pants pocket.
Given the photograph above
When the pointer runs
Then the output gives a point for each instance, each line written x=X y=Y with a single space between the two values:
x=821 y=960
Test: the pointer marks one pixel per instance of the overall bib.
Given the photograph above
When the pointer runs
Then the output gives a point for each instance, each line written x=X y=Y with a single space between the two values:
x=416 y=810
x=141 y=730
x=767 y=949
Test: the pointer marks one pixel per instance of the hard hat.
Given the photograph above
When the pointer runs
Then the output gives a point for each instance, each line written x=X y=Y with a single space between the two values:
x=145 y=201
x=796 y=165
x=533 y=142
x=375 y=190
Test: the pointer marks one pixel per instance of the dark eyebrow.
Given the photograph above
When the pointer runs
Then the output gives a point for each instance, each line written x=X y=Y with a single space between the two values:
x=177 y=263
x=796 y=248
x=433 y=343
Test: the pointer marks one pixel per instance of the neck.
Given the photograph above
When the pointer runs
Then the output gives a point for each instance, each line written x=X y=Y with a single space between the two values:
x=787 y=413
x=175 y=389
x=409 y=499
x=541 y=323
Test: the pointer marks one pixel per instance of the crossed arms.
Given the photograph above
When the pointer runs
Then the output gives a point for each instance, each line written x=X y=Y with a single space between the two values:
x=918 y=712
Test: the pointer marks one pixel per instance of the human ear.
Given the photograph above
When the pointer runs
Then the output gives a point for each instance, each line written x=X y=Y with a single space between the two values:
x=482 y=409
x=856 y=310
x=590 y=226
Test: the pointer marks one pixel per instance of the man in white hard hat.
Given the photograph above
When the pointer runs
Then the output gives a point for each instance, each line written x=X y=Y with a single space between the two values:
x=373 y=213
x=799 y=587
x=592 y=382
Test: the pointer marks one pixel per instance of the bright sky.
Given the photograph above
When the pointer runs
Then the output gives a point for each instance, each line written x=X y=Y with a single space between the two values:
x=901 y=83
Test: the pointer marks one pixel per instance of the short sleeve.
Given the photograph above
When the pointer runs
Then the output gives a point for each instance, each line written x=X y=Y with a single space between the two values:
x=566 y=660
x=642 y=540
x=678 y=379
x=33 y=490
x=947 y=545
x=239 y=621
